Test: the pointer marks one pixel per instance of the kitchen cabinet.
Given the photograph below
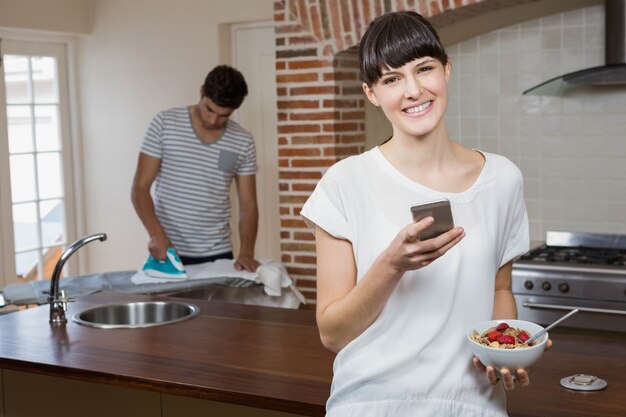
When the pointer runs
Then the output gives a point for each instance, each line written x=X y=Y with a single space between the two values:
x=61 y=397
x=32 y=395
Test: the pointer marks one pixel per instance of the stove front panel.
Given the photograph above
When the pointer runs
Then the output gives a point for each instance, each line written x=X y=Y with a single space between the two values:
x=595 y=315
x=569 y=282
x=544 y=293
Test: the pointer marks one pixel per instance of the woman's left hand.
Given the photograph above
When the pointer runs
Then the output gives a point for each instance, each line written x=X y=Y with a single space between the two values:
x=505 y=375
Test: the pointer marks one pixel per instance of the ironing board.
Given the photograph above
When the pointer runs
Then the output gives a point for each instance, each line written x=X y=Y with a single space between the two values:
x=253 y=291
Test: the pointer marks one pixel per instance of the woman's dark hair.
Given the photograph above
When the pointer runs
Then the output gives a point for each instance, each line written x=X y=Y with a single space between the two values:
x=394 y=39
x=225 y=86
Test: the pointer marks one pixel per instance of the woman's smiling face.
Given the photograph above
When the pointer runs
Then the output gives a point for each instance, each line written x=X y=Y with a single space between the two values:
x=414 y=96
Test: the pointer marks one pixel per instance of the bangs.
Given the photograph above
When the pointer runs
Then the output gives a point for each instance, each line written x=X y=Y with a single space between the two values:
x=391 y=43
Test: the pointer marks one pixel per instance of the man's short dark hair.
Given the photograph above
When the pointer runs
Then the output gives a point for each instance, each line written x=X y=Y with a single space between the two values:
x=225 y=86
x=394 y=39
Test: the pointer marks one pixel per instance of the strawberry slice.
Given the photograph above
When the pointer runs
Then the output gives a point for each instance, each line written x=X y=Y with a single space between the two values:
x=502 y=327
x=523 y=336
x=506 y=339
x=493 y=335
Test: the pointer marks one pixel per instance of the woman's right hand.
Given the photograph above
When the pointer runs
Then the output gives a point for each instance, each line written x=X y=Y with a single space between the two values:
x=407 y=252
x=347 y=306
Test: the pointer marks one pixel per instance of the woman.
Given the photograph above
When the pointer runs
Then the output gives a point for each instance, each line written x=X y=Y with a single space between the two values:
x=394 y=311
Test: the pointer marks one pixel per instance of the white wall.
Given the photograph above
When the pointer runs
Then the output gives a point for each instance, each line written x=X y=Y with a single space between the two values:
x=65 y=16
x=571 y=149
x=141 y=57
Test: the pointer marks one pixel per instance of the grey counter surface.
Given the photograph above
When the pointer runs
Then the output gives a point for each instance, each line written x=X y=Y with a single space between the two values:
x=36 y=292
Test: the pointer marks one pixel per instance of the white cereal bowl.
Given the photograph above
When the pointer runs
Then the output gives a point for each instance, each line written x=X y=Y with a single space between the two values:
x=511 y=359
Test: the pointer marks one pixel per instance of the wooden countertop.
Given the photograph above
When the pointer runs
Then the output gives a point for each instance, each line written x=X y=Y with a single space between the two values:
x=249 y=355
x=575 y=351
x=270 y=358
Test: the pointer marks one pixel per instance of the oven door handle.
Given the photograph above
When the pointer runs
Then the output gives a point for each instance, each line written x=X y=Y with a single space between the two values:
x=562 y=307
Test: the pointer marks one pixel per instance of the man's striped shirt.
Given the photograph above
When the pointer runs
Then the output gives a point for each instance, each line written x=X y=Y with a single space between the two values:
x=192 y=192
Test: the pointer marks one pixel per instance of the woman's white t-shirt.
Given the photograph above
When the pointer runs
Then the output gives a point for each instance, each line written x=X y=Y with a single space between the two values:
x=414 y=359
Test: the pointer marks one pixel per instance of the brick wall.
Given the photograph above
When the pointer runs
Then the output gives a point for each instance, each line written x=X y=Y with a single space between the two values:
x=321 y=117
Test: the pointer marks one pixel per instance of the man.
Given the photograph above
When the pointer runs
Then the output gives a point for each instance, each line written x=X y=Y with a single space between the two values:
x=194 y=153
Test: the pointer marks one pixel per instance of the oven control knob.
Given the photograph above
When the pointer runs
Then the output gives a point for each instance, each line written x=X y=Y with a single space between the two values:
x=528 y=285
x=563 y=287
x=546 y=286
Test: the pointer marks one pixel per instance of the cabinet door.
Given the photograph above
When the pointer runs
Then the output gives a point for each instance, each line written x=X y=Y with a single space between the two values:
x=31 y=395
x=1 y=396
x=175 y=406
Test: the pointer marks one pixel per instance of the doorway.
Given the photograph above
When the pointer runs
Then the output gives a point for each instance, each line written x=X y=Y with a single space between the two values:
x=253 y=53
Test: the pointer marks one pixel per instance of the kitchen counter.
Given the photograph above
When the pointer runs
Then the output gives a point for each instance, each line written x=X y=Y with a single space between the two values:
x=575 y=351
x=269 y=358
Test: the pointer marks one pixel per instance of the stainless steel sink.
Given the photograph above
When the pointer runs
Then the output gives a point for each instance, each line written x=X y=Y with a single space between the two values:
x=136 y=314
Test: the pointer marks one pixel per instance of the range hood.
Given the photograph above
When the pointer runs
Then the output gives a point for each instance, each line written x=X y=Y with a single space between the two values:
x=612 y=73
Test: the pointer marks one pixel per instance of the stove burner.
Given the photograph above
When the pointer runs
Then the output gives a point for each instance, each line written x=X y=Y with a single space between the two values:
x=578 y=255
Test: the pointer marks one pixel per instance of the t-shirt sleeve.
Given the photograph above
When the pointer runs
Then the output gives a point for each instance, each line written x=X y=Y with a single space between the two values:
x=325 y=207
x=517 y=238
x=152 y=144
x=248 y=166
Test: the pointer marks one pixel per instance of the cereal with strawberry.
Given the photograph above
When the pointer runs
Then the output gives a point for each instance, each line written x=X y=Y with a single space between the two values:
x=502 y=336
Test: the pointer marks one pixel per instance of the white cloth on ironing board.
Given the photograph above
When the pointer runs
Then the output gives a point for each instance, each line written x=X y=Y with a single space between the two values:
x=272 y=274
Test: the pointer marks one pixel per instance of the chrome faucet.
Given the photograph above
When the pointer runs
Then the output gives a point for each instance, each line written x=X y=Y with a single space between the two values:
x=58 y=303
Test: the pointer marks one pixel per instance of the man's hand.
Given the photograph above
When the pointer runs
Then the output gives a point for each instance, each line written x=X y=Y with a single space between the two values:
x=158 y=247
x=246 y=262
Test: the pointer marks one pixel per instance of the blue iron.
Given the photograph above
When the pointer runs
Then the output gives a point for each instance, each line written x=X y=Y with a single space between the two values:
x=171 y=267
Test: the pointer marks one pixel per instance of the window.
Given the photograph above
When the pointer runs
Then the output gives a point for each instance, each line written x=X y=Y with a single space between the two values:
x=37 y=153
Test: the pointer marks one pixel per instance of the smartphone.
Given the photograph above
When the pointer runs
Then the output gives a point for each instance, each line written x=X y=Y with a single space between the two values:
x=442 y=213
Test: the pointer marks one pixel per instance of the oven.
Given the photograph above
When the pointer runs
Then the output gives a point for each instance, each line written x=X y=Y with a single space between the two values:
x=573 y=270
